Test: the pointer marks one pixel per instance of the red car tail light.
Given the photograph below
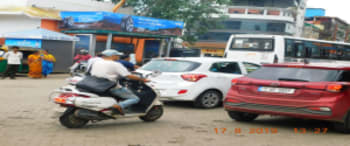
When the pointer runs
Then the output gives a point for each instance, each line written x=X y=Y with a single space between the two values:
x=193 y=77
x=334 y=88
x=234 y=82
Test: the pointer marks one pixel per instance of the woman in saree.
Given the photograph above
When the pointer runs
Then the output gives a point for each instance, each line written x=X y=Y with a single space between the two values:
x=48 y=63
x=35 y=66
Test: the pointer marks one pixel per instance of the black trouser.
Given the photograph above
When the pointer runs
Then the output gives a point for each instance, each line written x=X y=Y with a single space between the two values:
x=11 y=71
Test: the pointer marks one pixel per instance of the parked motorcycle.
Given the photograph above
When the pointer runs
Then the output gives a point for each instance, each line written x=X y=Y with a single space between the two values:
x=83 y=106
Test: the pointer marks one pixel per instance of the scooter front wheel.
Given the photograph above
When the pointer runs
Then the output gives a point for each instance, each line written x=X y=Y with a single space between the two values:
x=69 y=120
x=154 y=114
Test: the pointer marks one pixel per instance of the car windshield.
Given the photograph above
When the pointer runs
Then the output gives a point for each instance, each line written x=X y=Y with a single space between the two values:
x=295 y=74
x=171 y=66
x=252 y=44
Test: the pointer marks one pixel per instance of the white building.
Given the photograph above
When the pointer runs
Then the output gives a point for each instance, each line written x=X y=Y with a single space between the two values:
x=278 y=17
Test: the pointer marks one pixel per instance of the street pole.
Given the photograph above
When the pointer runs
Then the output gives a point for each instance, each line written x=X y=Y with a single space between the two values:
x=169 y=47
x=109 y=41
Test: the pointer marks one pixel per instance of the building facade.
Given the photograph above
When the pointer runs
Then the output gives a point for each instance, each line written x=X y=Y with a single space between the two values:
x=331 y=28
x=279 y=17
x=20 y=15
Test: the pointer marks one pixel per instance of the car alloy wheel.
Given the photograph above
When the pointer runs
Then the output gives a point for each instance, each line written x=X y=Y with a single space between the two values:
x=209 y=99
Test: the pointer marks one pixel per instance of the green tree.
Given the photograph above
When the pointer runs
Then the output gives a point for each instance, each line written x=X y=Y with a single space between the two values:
x=197 y=14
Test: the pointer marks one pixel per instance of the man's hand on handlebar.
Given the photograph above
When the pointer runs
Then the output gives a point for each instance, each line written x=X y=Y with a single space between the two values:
x=134 y=77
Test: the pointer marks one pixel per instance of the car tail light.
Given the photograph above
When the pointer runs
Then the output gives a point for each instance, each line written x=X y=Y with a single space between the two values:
x=193 y=77
x=334 y=88
x=182 y=92
x=234 y=82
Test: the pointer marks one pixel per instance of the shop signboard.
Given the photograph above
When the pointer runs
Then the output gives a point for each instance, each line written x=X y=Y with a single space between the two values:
x=30 y=43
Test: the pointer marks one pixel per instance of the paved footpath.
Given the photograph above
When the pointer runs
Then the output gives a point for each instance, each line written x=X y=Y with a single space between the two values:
x=28 y=119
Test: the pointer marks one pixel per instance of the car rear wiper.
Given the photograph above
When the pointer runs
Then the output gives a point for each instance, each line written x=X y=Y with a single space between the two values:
x=289 y=79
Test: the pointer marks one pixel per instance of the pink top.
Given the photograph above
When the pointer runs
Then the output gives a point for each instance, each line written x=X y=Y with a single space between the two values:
x=80 y=58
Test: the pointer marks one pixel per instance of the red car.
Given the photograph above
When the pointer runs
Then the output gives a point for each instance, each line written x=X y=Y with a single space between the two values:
x=310 y=91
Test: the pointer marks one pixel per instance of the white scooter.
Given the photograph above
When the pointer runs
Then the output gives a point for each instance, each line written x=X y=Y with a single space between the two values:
x=83 y=106
x=78 y=68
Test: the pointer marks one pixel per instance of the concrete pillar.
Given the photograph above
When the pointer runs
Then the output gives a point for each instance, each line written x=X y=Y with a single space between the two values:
x=109 y=41
x=169 y=47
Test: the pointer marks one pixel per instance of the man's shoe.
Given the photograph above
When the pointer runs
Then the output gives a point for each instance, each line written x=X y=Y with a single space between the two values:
x=116 y=109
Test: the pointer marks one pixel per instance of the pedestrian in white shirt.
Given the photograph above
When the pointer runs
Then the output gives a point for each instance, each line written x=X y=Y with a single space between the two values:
x=14 y=59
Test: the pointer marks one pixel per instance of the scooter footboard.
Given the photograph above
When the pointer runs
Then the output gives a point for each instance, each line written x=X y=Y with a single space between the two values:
x=95 y=104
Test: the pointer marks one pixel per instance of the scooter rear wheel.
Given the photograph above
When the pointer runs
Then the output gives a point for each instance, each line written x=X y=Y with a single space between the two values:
x=69 y=120
x=154 y=114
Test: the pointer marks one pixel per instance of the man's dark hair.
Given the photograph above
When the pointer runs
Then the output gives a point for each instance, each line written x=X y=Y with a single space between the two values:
x=15 y=47
x=47 y=51
x=125 y=56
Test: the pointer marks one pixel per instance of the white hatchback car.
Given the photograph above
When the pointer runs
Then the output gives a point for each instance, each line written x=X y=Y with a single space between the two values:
x=205 y=81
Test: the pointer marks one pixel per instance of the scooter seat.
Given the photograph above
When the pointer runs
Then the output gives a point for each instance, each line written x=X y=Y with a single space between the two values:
x=108 y=94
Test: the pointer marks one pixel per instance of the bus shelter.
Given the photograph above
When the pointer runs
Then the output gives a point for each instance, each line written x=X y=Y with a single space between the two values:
x=58 y=44
x=112 y=25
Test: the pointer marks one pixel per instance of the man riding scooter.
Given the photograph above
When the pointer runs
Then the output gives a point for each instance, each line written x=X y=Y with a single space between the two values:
x=109 y=69
x=79 y=59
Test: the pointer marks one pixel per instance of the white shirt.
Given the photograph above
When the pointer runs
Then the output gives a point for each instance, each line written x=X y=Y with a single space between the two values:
x=13 y=58
x=92 y=61
x=110 y=70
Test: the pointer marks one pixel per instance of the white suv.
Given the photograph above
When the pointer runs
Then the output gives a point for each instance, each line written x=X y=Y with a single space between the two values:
x=205 y=81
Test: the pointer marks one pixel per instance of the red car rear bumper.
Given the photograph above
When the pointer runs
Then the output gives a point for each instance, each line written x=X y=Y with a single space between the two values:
x=336 y=112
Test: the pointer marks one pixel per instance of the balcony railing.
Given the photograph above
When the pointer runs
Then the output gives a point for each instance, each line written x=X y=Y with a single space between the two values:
x=261 y=11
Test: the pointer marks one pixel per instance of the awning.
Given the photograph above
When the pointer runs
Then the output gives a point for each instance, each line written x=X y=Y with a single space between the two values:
x=39 y=34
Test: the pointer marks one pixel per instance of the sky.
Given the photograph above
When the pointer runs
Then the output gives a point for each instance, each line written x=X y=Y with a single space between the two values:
x=339 y=8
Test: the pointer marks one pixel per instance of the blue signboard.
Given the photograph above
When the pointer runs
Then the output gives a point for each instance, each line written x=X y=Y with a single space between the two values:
x=312 y=12
x=24 y=43
x=119 y=22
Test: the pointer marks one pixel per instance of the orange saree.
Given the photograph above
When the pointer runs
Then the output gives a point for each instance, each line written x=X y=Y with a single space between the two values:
x=35 y=68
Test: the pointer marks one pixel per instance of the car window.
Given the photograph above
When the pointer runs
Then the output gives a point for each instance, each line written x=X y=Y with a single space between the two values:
x=250 y=67
x=226 y=67
x=295 y=74
x=171 y=66
x=345 y=76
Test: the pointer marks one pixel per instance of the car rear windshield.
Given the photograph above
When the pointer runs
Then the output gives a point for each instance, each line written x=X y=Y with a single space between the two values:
x=171 y=66
x=295 y=74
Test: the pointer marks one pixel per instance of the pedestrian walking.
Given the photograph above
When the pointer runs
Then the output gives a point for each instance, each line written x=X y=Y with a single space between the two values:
x=14 y=59
x=35 y=65
x=48 y=63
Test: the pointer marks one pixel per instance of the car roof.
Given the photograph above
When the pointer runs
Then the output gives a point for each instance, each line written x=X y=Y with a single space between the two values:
x=327 y=66
x=205 y=59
